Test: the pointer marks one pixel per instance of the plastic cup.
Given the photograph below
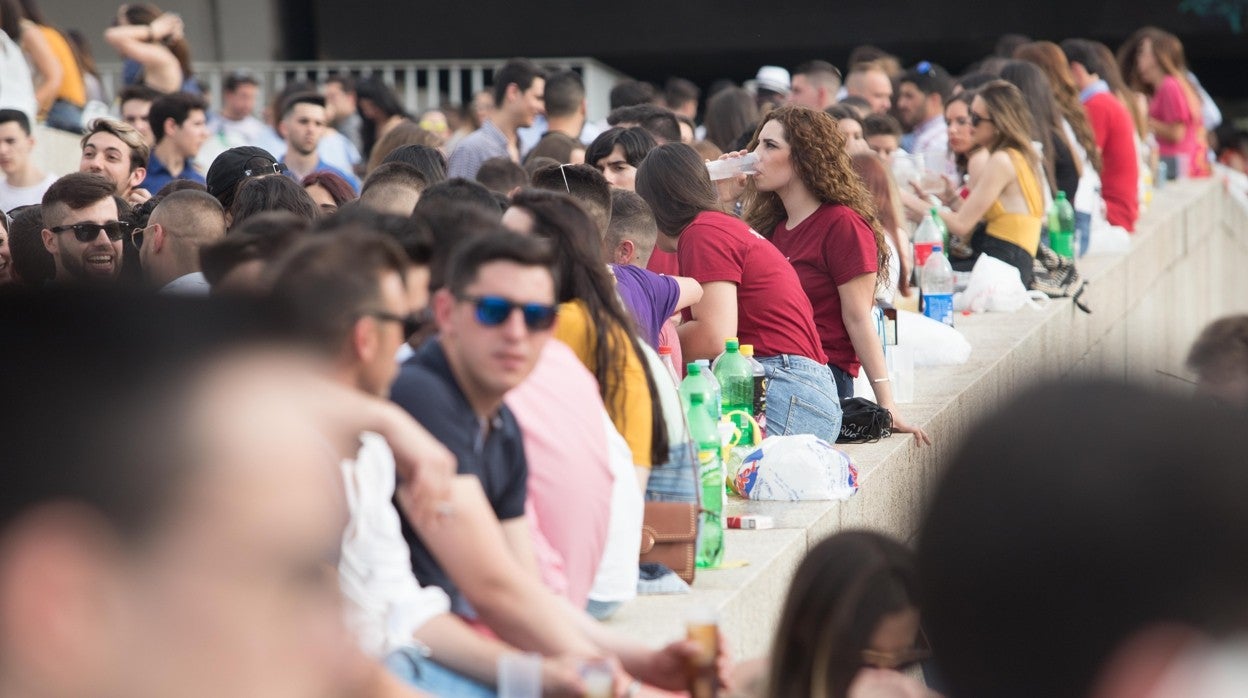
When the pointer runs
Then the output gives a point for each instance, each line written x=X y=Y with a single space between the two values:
x=598 y=678
x=731 y=167
x=900 y=361
x=520 y=675
x=702 y=627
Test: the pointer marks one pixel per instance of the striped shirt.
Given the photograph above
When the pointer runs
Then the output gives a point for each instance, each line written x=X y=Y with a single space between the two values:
x=477 y=147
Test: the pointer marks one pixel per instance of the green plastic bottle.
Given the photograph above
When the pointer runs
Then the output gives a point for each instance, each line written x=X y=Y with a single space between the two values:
x=705 y=434
x=696 y=383
x=940 y=225
x=736 y=387
x=1061 y=222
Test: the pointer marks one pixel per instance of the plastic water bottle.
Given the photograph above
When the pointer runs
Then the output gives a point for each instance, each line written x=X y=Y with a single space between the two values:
x=736 y=380
x=934 y=213
x=711 y=476
x=926 y=237
x=760 y=388
x=716 y=397
x=1062 y=226
x=695 y=384
x=936 y=283
x=665 y=355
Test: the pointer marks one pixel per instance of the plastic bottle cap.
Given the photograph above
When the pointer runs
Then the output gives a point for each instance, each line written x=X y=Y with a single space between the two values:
x=693 y=370
x=747 y=349
x=1061 y=195
x=665 y=350
x=704 y=363
x=732 y=345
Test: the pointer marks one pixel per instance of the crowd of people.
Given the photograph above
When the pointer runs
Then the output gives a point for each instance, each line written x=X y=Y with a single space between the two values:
x=438 y=341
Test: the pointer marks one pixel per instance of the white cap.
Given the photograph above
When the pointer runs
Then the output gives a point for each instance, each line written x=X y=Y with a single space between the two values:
x=774 y=78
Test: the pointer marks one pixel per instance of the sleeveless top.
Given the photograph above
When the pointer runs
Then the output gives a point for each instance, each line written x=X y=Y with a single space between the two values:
x=73 y=89
x=1022 y=229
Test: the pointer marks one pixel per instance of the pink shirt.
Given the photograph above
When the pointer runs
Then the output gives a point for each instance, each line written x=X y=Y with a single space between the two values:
x=1170 y=105
x=569 y=486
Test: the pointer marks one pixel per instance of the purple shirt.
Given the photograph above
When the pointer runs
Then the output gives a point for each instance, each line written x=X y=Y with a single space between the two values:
x=650 y=297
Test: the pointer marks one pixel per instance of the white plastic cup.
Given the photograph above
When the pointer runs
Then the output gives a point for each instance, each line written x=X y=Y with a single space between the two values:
x=731 y=167
x=520 y=675
x=900 y=360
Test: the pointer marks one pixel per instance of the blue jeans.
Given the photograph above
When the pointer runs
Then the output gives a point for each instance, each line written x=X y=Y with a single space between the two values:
x=844 y=382
x=1083 y=232
x=801 y=398
x=427 y=675
x=602 y=610
x=64 y=116
x=677 y=479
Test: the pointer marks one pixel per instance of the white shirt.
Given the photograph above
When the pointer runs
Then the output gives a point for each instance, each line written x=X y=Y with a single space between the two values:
x=616 y=578
x=11 y=197
x=193 y=284
x=385 y=603
x=17 y=89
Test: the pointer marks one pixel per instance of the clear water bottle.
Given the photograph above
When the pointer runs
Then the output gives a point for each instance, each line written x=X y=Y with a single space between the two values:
x=695 y=384
x=934 y=214
x=665 y=355
x=760 y=388
x=936 y=284
x=1061 y=222
x=711 y=476
x=716 y=404
x=736 y=381
x=926 y=237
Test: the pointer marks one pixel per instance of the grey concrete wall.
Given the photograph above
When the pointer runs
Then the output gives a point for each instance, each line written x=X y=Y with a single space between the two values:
x=218 y=30
x=1185 y=268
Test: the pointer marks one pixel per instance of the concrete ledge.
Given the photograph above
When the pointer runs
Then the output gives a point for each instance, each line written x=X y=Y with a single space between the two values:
x=1184 y=269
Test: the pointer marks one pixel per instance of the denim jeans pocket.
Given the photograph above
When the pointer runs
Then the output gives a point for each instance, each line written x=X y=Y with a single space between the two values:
x=806 y=417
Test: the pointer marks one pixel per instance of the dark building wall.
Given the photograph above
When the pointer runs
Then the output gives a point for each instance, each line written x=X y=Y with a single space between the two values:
x=730 y=38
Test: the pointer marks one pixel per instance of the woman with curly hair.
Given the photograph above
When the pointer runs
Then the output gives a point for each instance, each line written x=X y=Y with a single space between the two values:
x=749 y=291
x=807 y=198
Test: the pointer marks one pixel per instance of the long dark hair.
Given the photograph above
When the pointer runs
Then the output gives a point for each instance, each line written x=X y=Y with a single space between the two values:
x=582 y=276
x=1046 y=123
x=384 y=99
x=1049 y=57
x=841 y=591
x=674 y=181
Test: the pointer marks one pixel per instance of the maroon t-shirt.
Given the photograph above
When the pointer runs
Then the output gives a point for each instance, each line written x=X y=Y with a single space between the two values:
x=664 y=263
x=773 y=312
x=831 y=247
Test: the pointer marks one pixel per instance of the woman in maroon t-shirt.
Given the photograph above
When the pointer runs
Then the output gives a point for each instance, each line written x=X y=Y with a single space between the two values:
x=808 y=198
x=749 y=292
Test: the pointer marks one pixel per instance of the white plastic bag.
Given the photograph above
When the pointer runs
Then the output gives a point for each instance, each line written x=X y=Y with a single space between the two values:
x=995 y=287
x=1106 y=239
x=792 y=468
x=934 y=343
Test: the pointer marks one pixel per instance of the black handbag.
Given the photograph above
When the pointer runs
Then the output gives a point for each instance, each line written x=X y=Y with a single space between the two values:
x=863 y=421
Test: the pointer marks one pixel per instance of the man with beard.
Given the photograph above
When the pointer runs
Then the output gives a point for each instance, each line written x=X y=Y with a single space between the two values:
x=81 y=230
x=117 y=150
x=303 y=124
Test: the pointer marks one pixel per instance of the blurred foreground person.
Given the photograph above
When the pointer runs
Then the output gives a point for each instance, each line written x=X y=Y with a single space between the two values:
x=1119 y=569
x=1219 y=356
x=147 y=552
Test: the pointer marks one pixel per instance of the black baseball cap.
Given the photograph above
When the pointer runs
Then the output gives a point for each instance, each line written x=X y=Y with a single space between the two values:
x=235 y=165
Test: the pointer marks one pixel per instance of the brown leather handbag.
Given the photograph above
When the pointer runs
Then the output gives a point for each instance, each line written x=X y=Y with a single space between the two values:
x=669 y=536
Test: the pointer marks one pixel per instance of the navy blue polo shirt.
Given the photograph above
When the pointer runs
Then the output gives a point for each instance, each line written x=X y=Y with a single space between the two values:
x=427 y=389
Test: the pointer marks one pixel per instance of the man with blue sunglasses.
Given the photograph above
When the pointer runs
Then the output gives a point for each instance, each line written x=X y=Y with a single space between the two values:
x=494 y=316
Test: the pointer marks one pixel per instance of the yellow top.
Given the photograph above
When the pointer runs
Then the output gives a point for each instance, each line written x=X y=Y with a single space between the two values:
x=630 y=409
x=73 y=89
x=1022 y=229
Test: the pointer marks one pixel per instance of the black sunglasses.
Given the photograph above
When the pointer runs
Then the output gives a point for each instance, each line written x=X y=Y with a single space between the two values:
x=976 y=119
x=493 y=311
x=412 y=322
x=86 y=232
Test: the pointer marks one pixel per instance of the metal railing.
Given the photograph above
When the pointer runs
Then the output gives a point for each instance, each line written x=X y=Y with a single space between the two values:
x=420 y=85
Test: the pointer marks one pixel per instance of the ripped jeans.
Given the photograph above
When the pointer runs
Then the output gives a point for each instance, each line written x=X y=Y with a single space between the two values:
x=801 y=397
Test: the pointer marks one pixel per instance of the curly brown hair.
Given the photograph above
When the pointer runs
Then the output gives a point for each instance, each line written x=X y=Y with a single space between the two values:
x=817 y=150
